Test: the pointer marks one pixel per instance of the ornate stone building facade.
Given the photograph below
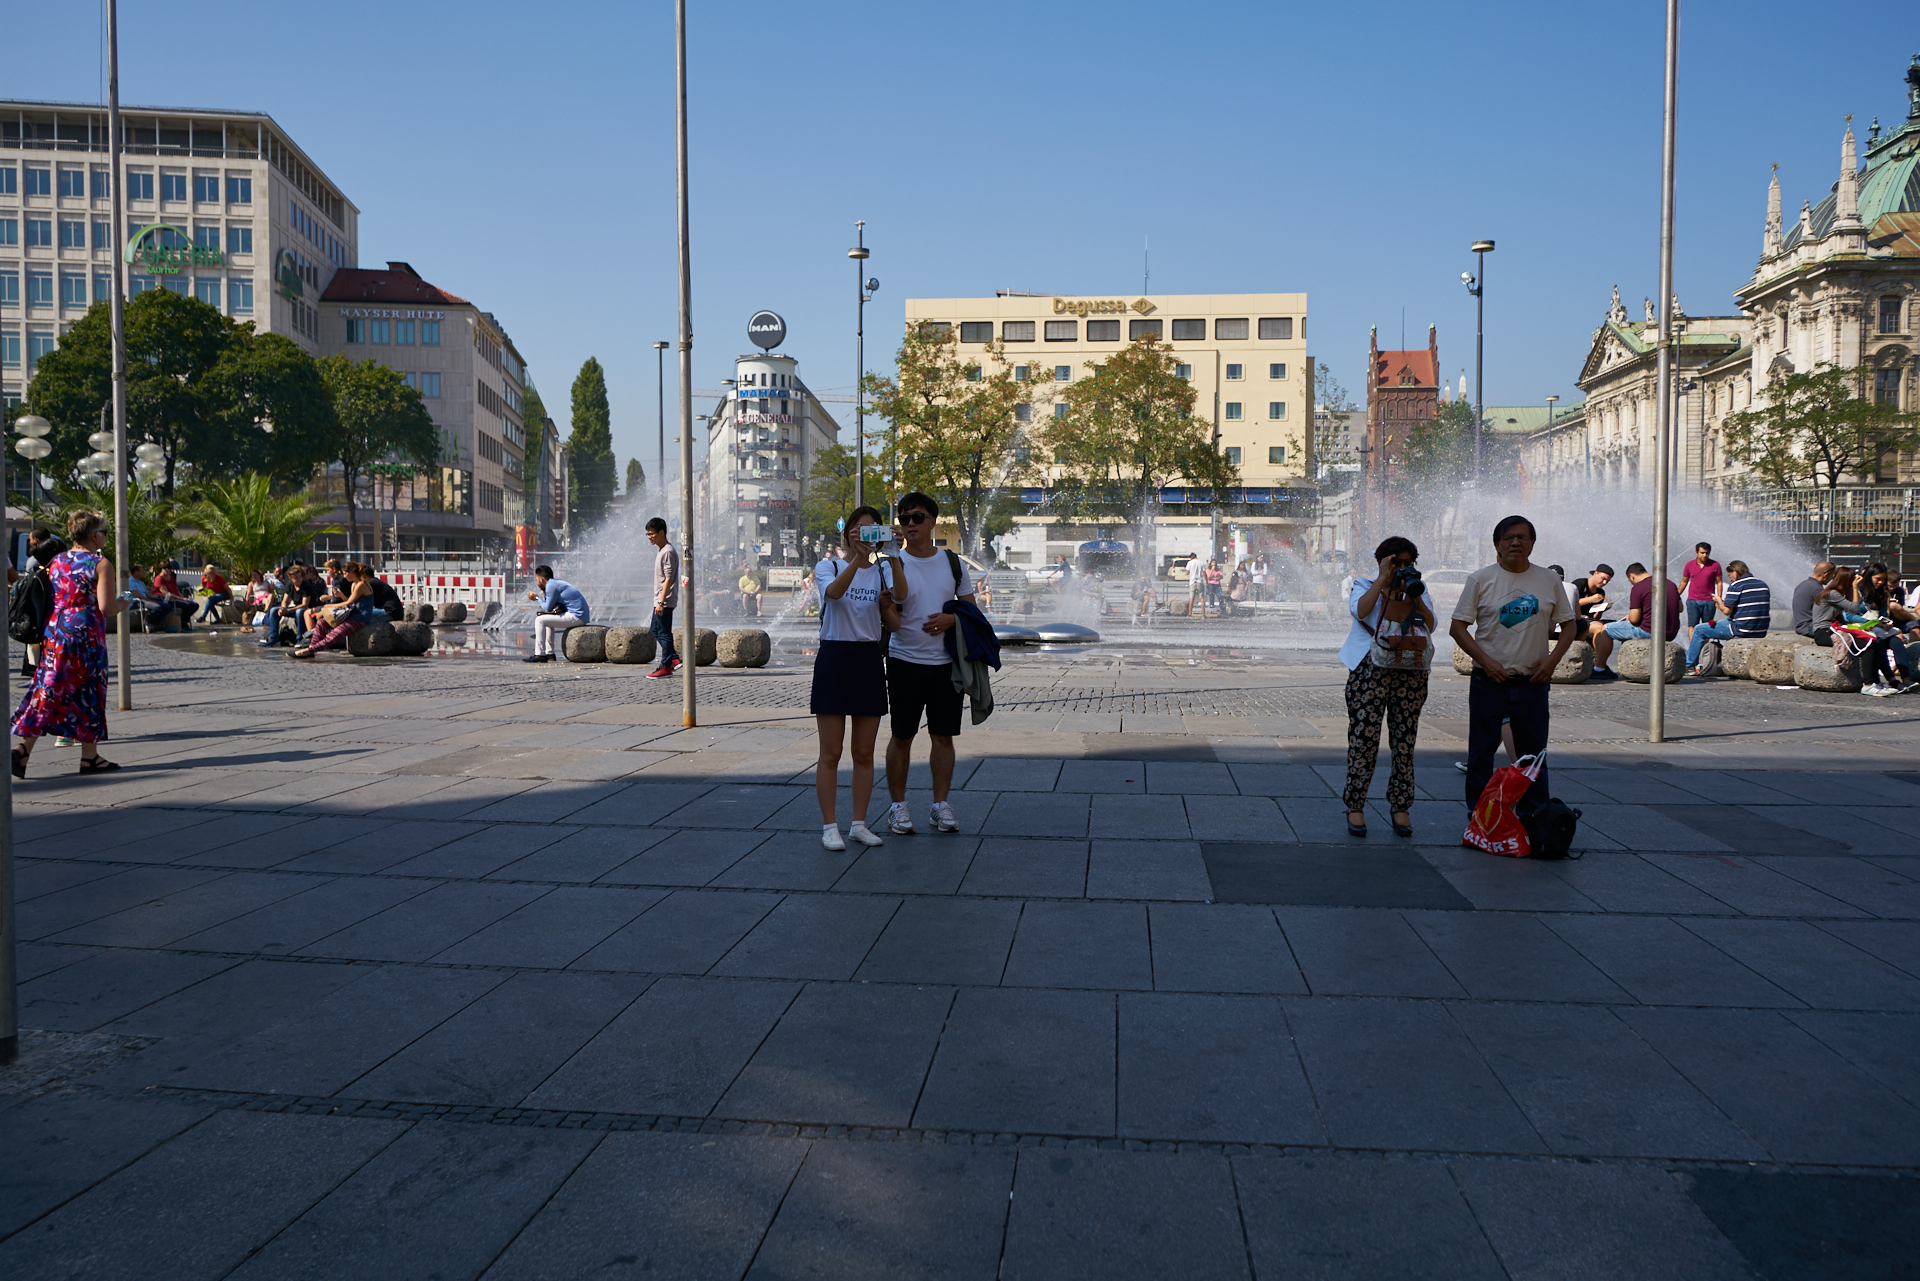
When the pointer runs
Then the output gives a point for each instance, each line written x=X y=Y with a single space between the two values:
x=1841 y=287
x=1403 y=391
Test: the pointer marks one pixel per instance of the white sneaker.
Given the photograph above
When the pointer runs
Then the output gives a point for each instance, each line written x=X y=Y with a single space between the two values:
x=1879 y=691
x=831 y=838
x=941 y=816
x=858 y=832
x=899 y=821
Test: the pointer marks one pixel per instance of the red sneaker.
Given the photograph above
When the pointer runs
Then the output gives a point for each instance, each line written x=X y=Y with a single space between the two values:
x=658 y=672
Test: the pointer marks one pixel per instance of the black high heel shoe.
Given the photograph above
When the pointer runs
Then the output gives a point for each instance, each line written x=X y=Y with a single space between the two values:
x=1402 y=830
x=1355 y=829
x=19 y=763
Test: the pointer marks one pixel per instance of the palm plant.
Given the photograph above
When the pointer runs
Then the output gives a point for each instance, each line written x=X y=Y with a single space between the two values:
x=150 y=519
x=243 y=525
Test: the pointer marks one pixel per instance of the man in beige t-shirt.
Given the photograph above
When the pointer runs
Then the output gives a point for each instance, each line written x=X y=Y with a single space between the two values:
x=1505 y=621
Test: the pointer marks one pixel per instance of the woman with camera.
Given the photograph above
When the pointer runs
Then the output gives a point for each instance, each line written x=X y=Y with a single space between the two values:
x=850 y=673
x=1388 y=653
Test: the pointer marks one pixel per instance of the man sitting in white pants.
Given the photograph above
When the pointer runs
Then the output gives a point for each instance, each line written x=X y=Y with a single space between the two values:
x=561 y=606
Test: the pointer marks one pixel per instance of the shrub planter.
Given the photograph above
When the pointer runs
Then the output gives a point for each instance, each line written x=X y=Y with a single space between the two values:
x=1814 y=668
x=1634 y=661
x=744 y=647
x=585 y=644
x=629 y=645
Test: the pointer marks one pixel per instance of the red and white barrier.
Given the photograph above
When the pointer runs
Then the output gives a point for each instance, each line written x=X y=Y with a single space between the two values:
x=438 y=589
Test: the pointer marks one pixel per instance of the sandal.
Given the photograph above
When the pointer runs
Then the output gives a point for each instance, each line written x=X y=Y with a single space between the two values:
x=302 y=653
x=19 y=763
x=96 y=765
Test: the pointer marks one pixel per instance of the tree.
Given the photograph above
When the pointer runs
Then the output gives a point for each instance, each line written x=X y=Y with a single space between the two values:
x=244 y=526
x=591 y=445
x=1816 y=428
x=955 y=422
x=377 y=418
x=273 y=409
x=1128 y=431
x=636 y=479
x=150 y=532
x=1334 y=447
x=829 y=494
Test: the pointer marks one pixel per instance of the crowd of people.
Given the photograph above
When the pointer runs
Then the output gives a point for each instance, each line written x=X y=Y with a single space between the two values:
x=311 y=608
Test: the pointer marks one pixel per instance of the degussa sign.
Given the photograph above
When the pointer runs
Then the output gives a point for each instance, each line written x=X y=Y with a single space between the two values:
x=167 y=250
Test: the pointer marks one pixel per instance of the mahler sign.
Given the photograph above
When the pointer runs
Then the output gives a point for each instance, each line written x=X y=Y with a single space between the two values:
x=169 y=260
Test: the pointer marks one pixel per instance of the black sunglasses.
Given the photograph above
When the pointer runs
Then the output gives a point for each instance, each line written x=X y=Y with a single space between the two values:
x=913 y=518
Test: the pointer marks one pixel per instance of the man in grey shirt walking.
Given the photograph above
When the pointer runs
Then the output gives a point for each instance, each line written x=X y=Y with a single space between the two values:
x=666 y=595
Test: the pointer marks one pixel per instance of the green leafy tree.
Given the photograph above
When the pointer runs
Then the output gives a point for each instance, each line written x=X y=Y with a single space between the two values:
x=150 y=519
x=636 y=479
x=1128 y=431
x=829 y=493
x=954 y=422
x=1335 y=446
x=1817 y=428
x=243 y=525
x=273 y=410
x=590 y=447
x=378 y=419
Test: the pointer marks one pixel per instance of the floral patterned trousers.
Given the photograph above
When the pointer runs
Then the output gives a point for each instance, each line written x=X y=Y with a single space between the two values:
x=1401 y=695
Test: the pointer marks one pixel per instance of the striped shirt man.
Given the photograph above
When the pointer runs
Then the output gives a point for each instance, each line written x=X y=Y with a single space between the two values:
x=1749 y=600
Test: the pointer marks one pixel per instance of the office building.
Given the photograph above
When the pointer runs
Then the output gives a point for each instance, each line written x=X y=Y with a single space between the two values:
x=225 y=207
x=761 y=440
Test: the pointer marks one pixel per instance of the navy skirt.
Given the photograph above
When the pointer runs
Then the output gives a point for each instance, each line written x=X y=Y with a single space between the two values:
x=849 y=679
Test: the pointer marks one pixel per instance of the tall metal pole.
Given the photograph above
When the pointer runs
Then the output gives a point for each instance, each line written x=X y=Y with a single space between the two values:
x=687 y=576
x=660 y=449
x=122 y=535
x=1479 y=353
x=859 y=255
x=1657 y=666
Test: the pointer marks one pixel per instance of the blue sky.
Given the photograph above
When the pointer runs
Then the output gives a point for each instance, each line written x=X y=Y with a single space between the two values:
x=523 y=157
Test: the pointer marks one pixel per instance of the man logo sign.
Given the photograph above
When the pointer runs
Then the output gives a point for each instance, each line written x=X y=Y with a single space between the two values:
x=766 y=330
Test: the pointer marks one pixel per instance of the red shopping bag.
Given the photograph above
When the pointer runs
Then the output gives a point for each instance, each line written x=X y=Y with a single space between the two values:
x=1494 y=826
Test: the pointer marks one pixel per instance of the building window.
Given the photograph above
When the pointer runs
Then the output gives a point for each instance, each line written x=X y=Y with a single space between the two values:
x=1017 y=331
x=1890 y=315
x=10 y=350
x=9 y=185
x=73 y=289
x=39 y=233
x=1233 y=411
x=1233 y=455
x=73 y=183
x=177 y=284
x=239 y=240
x=39 y=343
x=1020 y=373
x=1189 y=330
x=102 y=287
x=1277 y=409
x=9 y=231
x=103 y=235
x=39 y=289
x=240 y=295
x=1138 y=329
x=39 y=180
x=239 y=191
x=1062 y=373
x=1234 y=372
x=207 y=236
x=1276 y=455
x=973 y=374
x=1063 y=330
x=173 y=186
x=976 y=331
x=73 y=234
x=1280 y=327
x=1230 y=330
x=377 y=331
x=1022 y=454
x=207 y=291
x=139 y=186
x=102 y=184
x=1059 y=409
x=429 y=333
x=1886 y=387
x=403 y=333
x=1183 y=371
x=1023 y=413
x=206 y=189
x=430 y=386
x=137 y=285
x=1103 y=331
x=1277 y=371
x=356 y=331
x=9 y=289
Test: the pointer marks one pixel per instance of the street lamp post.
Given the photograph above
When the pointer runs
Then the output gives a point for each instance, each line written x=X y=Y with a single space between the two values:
x=1657 y=667
x=1550 y=404
x=660 y=383
x=1475 y=283
x=688 y=653
x=859 y=255
x=32 y=429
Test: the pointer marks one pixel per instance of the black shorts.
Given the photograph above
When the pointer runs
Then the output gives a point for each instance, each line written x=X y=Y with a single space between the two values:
x=916 y=687
x=849 y=679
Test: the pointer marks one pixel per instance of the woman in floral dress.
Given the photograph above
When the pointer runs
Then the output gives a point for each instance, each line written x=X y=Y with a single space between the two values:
x=68 y=696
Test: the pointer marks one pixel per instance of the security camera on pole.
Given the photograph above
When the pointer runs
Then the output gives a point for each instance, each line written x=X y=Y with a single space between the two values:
x=864 y=288
x=1474 y=284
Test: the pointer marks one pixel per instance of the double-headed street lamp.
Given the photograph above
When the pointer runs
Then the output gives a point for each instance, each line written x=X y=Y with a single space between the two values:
x=865 y=287
x=32 y=446
x=1475 y=283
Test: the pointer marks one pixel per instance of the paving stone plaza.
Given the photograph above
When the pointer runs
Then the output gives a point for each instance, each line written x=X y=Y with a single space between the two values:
x=459 y=968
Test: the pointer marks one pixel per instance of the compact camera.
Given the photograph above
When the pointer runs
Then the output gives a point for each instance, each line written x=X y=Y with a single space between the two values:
x=875 y=534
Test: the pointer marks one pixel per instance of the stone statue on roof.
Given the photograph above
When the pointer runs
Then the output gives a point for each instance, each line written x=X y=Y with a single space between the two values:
x=1677 y=313
x=1616 y=313
x=1647 y=305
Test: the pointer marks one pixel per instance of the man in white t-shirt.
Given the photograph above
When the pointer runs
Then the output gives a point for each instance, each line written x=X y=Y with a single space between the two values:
x=919 y=669
x=1506 y=621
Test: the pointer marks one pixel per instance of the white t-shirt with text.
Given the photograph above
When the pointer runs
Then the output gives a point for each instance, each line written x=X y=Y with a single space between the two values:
x=856 y=615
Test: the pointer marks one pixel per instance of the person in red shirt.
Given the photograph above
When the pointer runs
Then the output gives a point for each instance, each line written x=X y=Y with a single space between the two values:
x=1704 y=580
x=219 y=593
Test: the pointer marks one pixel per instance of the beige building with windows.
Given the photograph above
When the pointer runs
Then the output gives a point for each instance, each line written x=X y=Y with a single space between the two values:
x=1246 y=355
x=222 y=206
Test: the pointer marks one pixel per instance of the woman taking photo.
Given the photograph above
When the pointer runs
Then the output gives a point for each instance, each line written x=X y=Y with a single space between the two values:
x=343 y=618
x=68 y=696
x=1388 y=653
x=850 y=674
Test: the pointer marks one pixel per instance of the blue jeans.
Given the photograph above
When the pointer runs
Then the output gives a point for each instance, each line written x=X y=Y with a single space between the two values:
x=1702 y=633
x=1523 y=703
x=663 y=636
x=1621 y=629
x=1699 y=611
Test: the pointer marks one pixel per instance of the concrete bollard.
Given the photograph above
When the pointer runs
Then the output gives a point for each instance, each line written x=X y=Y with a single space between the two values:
x=1634 y=661
x=744 y=647
x=371 y=641
x=1770 y=662
x=585 y=644
x=629 y=645
x=1814 y=668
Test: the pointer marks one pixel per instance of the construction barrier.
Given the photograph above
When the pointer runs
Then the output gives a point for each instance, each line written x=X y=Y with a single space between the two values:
x=438 y=589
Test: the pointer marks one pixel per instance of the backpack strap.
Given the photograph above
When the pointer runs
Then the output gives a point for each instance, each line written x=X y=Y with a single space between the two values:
x=953 y=563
